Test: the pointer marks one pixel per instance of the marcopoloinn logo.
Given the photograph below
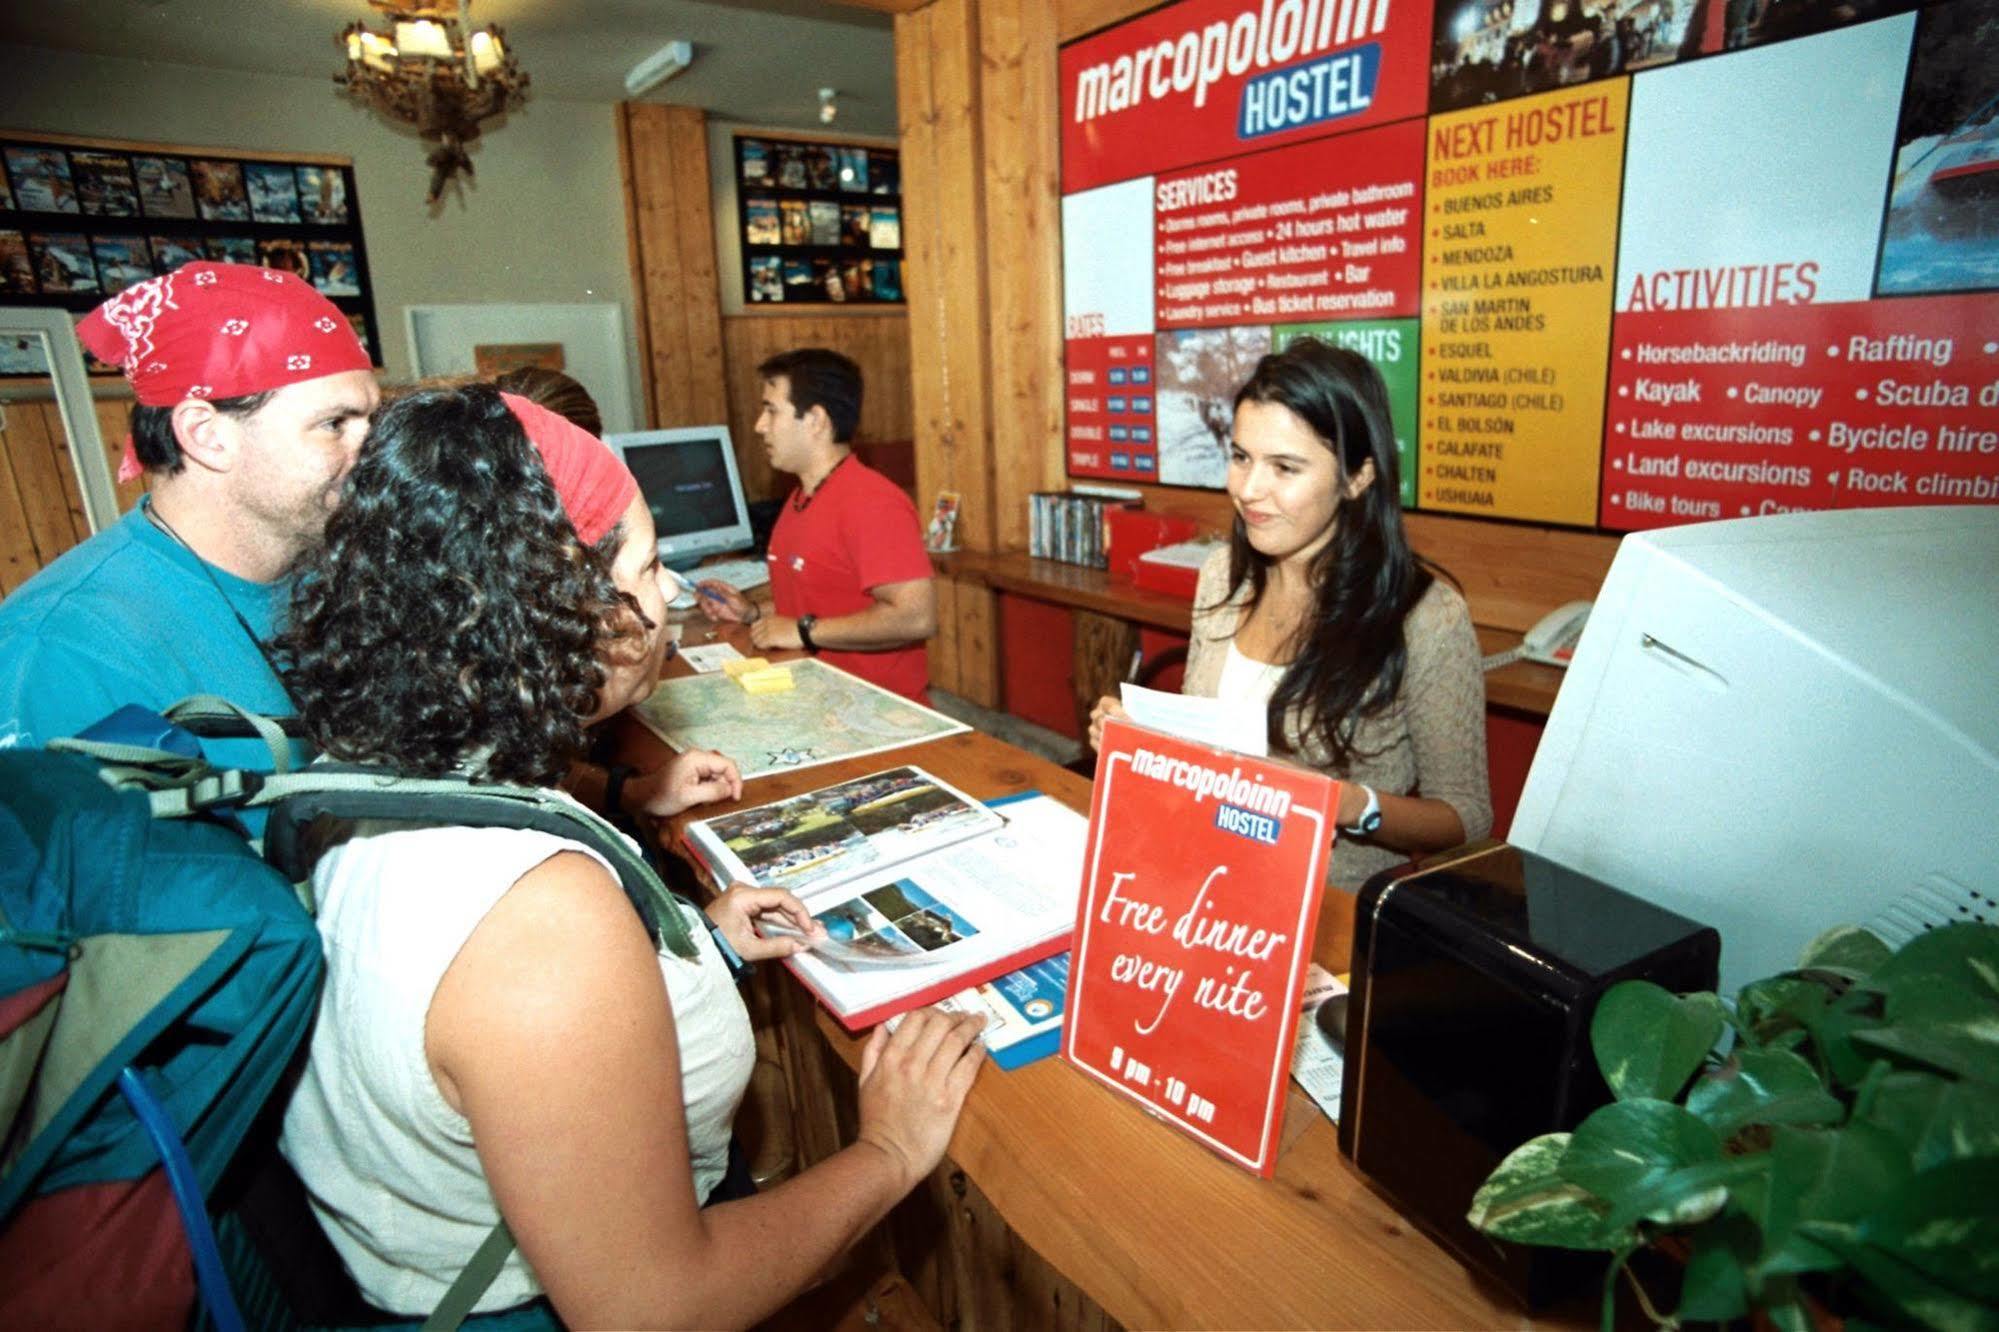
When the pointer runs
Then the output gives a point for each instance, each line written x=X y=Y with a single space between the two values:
x=1307 y=61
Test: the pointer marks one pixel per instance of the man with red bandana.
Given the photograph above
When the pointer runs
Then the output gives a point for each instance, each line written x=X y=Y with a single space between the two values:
x=253 y=398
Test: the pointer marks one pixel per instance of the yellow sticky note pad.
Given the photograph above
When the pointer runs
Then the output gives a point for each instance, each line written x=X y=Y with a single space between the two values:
x=771 y=680
x=743 y=665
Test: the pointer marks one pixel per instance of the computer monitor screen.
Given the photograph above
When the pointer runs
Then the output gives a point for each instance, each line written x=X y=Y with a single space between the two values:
x=689 y=480
x=1777 y=725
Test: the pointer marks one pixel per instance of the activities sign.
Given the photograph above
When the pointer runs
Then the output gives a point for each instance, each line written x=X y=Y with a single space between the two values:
x=1191 y=945
x=1608 y=283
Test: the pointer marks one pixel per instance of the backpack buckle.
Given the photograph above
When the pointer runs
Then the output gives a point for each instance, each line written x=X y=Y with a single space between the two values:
x=231 y=787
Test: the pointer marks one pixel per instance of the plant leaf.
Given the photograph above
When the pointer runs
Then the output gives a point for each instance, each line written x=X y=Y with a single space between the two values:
x=1831 y=1177
x=1524 y=1200
x=1687 y=1197
x=1648 y=1041
x=1627 y=1145
x=1886 y=1283
x=1779 y=1007
x=1968 y=1050
x=1762 y=1087
x=1963 y=956
x=1845 y=948
x=1716 y=1285
x=1944 y=1221
x=1935 y=1119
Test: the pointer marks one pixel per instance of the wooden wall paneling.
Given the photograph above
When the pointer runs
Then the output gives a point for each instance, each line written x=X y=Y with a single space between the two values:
x=38 y=459
x=969 y=461
x=1077 y=18
x=65 y=465
x=18 y=558
x=922 y=210
x=635 y=263
x=977 y=645
x=1018 y=97
x=944 y=643
x=1514 y=573
x=938 y=73
x=672 y=225
x=879 y=344
x=114 y=422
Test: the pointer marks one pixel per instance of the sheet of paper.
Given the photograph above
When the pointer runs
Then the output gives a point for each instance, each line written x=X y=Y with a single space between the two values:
x=1236 y=724
x=1317 y=1064
x=706 y=657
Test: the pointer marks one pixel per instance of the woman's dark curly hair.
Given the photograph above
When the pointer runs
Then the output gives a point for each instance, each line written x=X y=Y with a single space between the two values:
x=1351 y=652
x=453 y=615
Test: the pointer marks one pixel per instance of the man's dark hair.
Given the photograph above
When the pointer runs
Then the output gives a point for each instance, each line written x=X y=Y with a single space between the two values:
x=153 y=430
x=820 y=377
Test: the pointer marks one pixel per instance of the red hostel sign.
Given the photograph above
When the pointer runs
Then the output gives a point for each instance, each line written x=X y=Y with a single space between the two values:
x=1208 y=79
x=1200 y=895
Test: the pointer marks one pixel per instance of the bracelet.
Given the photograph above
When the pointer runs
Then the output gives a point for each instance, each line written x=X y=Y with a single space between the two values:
x=615 y=775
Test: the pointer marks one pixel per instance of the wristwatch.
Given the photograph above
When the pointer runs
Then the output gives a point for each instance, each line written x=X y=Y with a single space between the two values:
x=1370 y=816
x=805 y=623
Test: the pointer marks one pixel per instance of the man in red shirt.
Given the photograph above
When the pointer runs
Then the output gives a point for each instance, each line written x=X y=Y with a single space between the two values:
x=848 y=572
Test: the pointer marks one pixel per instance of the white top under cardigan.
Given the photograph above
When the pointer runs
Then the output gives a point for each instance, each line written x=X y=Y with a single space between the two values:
x=388 y=1165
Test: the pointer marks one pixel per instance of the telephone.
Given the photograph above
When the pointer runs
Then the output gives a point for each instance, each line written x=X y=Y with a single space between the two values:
x=1552 y=641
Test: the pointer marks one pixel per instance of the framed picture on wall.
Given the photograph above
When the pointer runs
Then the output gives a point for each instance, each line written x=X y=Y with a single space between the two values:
x=83 y=219
x=818 y=223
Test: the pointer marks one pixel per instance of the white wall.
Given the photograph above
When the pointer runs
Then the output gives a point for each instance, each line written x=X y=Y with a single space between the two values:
x=543 y=222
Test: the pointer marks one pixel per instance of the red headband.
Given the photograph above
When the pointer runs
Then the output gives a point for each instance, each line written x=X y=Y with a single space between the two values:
x=592 y=482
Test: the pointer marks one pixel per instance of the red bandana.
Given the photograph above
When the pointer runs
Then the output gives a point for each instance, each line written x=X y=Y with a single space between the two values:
x=219 y=331
x=591 y=480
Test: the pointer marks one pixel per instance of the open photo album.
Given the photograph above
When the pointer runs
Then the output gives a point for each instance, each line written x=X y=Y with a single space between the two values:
x=922 y=890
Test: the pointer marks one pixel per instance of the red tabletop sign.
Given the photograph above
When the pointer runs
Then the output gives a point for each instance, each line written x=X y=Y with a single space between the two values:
x=1201 y=889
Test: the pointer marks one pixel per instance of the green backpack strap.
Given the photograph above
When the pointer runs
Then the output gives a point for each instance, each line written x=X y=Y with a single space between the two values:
x=355 y=792
x=473 y=1281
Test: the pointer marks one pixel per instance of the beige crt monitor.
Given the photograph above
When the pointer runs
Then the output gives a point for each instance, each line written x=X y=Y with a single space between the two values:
x=1776 y=725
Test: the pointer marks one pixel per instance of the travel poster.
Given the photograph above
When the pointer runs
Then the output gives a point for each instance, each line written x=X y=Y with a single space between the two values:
x=164 y=187
x=104 y=183
x=1190 y=951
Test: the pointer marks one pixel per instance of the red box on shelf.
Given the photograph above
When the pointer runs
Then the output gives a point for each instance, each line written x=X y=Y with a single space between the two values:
x=1180 y=580
x=1132 y=532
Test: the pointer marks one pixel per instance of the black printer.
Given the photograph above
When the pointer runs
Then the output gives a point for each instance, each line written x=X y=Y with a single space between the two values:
x=1475 y=976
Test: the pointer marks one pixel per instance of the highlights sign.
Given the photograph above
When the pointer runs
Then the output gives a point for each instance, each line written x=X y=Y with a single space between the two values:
x=1208 y=79
x=1200 y=896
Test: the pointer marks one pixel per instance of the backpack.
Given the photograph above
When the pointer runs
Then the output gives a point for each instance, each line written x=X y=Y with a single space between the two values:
x=157 y=979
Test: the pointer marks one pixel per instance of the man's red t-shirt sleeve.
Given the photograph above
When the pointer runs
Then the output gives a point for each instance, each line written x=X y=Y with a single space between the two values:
x=883 y=538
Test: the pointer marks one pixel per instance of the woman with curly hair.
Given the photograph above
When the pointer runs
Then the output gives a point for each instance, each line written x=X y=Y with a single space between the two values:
x=1365 y=663
x=498 y=1036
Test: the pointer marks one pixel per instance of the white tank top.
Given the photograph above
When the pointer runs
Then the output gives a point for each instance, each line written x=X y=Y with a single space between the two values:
x=1246 y=679
x=388 y=1165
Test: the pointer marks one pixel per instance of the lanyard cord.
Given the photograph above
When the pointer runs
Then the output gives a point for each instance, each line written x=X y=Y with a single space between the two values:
x=800 y=499
x=166 y=528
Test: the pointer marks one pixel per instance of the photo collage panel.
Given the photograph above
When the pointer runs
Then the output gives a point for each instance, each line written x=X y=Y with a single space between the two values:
x=81 y=223
x=821 y=223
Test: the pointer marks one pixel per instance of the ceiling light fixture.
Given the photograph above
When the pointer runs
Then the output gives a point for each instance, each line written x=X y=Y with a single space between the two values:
x=433 y=71
x=828 y=108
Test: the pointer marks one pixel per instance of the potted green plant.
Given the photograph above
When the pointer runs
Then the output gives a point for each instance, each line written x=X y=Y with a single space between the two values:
x=1840 y=1155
